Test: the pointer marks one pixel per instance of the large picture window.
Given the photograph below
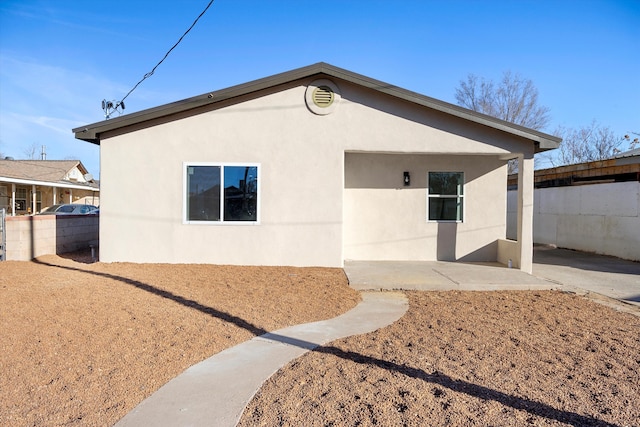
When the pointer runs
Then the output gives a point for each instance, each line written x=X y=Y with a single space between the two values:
x=445 y=196
x=221 y=193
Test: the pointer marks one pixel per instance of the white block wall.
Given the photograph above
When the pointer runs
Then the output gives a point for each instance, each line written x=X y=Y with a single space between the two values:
x=599 y=218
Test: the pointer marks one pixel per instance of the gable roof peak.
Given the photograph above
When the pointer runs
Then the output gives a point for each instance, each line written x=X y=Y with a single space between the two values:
x=92 y=133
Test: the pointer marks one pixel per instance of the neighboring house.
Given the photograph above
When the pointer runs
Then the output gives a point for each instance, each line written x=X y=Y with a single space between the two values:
x=312 y=167
x=28 y=186
x=593 y=206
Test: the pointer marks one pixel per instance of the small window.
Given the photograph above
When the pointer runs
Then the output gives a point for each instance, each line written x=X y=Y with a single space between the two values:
x=445 y=197
x=38 y=201
x=4 y=197
x=21 y=199
x=221 y=193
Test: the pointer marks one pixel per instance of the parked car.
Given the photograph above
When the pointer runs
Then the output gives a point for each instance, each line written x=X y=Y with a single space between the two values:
x=68 y=209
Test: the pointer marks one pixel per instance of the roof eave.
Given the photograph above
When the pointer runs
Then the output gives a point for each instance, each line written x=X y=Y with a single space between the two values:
x=92 y=132
x=544 y=141
x=57 y=184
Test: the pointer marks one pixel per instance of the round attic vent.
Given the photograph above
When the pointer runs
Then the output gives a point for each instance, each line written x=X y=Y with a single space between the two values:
x=322 y=97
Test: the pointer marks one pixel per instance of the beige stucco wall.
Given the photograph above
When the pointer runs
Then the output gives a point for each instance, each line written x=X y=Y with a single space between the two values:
x=306 y=213
x=384 y=220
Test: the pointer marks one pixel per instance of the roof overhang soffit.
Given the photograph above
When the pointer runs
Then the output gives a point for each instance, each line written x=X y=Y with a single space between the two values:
x=48 y=184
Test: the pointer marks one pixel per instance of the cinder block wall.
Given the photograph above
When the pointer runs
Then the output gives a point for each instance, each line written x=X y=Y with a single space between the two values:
x=598 y=218
x=29 y=237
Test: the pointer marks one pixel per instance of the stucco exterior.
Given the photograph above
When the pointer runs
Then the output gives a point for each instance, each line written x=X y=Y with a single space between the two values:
x=383 y=220
x=330 y=184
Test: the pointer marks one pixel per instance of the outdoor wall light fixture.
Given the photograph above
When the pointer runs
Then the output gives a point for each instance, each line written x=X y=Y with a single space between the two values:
x=407 y=179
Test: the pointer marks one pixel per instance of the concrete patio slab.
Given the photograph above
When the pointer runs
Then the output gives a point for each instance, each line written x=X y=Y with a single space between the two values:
x=441 y=276
x=553 y=268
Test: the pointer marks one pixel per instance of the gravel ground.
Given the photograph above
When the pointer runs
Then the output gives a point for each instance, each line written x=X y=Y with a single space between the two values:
x=469 y=359
x=82 y=344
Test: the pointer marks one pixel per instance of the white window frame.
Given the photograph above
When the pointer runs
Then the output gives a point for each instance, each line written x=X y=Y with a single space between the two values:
x=20 y=197
x=221 y=165
x=462 y=198
x=5 y=199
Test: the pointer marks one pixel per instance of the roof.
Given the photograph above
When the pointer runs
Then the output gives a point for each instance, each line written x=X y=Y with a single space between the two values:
x=93 y=132
x=617 y=169
x=43 y=172
x=630 y=153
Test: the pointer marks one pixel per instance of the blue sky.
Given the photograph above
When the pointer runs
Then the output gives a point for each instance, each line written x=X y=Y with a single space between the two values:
x=59 y=59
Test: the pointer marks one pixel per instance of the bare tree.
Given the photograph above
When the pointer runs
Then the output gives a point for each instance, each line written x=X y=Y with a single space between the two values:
x=31 y=151
x=513 y=98
x=587 y=144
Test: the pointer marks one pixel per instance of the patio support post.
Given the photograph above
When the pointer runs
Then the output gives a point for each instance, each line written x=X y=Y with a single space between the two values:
x=33 y=200
x=525 y=212
x=13 y=200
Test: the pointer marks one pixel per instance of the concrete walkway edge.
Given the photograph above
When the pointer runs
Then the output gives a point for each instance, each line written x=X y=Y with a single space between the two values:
x=215 y=391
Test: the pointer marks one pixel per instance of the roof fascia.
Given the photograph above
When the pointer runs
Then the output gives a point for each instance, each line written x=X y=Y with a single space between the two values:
x=545 y=141
x=92 y=132
x=47 y=184
x=80 y=167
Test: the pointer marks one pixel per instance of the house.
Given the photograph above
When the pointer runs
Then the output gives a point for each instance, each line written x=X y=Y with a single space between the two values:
x=312 y=167
x=592 y=206
x=28 y=186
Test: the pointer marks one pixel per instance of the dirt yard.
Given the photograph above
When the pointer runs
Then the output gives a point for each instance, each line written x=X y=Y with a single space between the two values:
x=82 y=344
x=469 y=359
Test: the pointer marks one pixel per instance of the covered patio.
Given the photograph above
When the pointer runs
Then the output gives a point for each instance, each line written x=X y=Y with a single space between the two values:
x=440 y=276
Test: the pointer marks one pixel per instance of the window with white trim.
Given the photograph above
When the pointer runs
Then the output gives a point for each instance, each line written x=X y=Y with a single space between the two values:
x=445 y=196
x=220 y=193
x=21 y=199
x=4 y=198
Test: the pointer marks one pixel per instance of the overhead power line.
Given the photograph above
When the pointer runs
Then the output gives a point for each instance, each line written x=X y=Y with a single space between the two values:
x=109 y=106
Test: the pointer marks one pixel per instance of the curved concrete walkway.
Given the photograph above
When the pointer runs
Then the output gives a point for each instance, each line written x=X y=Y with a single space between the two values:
x=215 y=391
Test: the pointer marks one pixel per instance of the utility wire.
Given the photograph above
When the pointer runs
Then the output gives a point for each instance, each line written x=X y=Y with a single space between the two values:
x=150 y=73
